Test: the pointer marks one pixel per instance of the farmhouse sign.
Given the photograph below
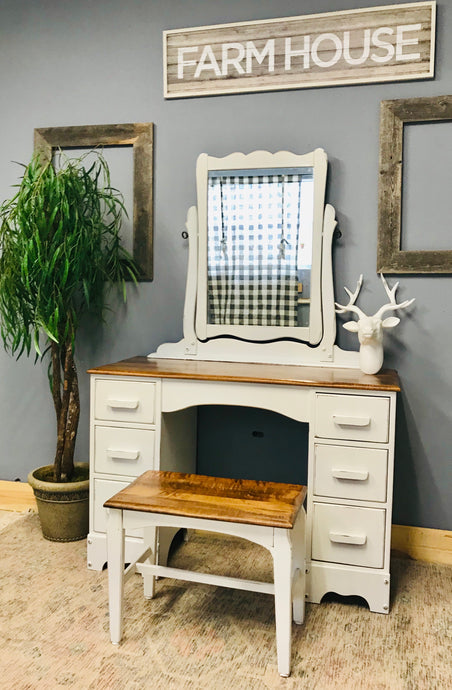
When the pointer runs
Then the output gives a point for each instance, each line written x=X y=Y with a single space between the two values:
x=391 y=43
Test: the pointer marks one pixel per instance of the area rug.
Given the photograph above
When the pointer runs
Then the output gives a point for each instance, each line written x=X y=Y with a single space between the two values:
x=54 y=625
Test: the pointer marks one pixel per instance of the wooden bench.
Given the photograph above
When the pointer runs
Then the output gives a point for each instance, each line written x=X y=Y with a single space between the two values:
x=267 y=513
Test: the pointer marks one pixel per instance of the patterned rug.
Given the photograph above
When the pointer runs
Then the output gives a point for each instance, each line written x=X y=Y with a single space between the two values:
x=54 y=626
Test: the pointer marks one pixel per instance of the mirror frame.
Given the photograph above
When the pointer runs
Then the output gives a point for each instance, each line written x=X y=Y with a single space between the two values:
x=393 y=116
x=317 y=160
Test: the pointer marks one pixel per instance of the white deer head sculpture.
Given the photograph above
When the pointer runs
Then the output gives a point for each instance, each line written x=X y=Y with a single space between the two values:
x=370 y=328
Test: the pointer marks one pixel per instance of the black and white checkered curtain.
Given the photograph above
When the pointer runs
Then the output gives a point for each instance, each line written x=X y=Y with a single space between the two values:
x=252 y=250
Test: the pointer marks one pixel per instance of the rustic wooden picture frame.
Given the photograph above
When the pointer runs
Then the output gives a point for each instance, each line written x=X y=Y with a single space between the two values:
x=393 y=116
x=138 y=135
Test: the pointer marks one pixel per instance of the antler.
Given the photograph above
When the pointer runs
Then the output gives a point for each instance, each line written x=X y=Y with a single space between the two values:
x=392 y=304
x=351 y=306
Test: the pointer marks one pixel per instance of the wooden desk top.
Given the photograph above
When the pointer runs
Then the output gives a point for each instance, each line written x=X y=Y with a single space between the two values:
x=284 y=374
x=193 y=495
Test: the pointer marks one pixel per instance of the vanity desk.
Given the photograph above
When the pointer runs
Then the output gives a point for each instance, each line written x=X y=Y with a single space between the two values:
x=144 y=417
x=259 y=330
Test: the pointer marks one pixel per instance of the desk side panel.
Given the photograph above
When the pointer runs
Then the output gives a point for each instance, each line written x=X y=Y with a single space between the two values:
x=178 y=441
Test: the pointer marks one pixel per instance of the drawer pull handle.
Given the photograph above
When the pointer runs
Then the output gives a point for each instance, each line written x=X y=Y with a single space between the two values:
x=123 y=454
x=123 y=404
x=342 y=420
x=339 y=538
x=355 y=475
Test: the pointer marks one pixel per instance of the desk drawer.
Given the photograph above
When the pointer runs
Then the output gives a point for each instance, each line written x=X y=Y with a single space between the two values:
x=350 y=472
x=348 y=535
x=352 y=417
x=125 y=401
x=123 y=451
x=103 y=490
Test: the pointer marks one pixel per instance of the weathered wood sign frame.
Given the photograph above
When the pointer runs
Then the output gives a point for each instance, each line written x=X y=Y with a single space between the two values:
x=139 y=135
x=376 y=44
x=393 y=116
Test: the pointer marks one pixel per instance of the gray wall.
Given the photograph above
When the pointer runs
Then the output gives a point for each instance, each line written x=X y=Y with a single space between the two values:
x=68 y=63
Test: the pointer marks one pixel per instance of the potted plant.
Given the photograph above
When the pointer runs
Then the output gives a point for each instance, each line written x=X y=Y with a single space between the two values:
x=60 y=248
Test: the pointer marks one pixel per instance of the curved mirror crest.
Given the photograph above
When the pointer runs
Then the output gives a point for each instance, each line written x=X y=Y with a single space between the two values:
x=260 y=229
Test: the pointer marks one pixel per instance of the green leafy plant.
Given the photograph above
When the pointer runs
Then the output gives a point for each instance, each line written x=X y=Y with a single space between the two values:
x=60 y=248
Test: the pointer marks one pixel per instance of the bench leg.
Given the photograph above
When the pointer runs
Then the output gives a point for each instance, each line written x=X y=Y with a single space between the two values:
x=282 y=570
x=299 y=567
x=115 y=551
x=150 y=540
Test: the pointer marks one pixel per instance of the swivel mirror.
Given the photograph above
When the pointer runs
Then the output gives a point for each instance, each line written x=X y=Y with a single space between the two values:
x=259 y=281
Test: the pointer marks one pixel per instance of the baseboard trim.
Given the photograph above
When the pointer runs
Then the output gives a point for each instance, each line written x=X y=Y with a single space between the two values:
x=422 y=544
x=419 y=543
x=16 y=496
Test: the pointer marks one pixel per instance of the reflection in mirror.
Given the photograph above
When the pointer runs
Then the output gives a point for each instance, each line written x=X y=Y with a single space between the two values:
x=259 y=256
x=260 y=229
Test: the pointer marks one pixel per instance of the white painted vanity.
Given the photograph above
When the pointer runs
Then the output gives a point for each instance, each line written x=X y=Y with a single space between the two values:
x=143 y=409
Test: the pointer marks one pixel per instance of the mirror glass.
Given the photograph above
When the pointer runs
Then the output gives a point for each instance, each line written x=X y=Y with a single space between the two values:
x=260 y=221
x=259 y=253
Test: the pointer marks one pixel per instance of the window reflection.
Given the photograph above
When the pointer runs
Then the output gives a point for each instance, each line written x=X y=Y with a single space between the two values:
x=260 y=246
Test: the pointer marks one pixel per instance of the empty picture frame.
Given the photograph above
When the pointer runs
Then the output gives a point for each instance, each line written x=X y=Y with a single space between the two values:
x=393 y=116
x=140 y=137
